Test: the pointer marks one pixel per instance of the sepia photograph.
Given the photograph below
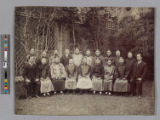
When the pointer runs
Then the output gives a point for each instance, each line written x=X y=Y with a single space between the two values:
x=72 y=61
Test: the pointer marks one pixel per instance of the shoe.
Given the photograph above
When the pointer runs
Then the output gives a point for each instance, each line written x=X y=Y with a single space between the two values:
x=55 y=92
x=61 y=92
x=94 y=92
x=100 y=93
x=37 y=96
x=109 y=93
x=29 y=97
x=139 y=97
x=48 y=94
x=106 y=93
x=44 y=94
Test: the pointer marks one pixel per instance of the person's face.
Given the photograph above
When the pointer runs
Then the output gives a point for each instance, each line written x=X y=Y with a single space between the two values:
x=71 y=61
x=32 y=51
x=121 y=60
x=118 y=53
x=55 y=51
x=57 y=60
x=98 y=53
x=44 y=60
x=76 y=50
x=108 y=53
x=97 y=61
x=130 y=55
x=88 y=53
x=67 y=51
x=139 y=57
x=44 y=54
x=31 y=60
x=109 y=62
x=84 y=60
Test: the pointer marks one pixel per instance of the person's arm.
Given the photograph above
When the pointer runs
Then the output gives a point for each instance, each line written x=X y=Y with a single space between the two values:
x=102 y=72
x=24 y=74
x=126 y=73
x=63 y=72
x=116 y=73
x=144 y=71
x=52 y=71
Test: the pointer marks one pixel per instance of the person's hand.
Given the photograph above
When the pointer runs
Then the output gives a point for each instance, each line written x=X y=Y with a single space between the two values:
x=106 y=76
x=139 y=78
x=28 y=81
x=37 y=79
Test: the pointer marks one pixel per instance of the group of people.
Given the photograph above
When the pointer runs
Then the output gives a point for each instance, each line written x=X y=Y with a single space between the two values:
x=81 y=73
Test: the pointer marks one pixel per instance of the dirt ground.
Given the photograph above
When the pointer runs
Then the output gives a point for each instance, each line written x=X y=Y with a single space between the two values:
x=88 y=104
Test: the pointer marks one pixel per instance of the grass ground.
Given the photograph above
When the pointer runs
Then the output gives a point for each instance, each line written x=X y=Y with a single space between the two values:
x=88 y=104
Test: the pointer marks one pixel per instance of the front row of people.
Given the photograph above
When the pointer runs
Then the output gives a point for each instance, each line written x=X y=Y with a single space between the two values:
x=101 y=78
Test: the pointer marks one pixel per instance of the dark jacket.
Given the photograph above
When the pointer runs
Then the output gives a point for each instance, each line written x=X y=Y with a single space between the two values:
x=121 y=71
x=29 y=72
x=116 y=61
x=65 y=60
x=129 y=64
x=98 y=71
x=44 y=71
x=139 y=70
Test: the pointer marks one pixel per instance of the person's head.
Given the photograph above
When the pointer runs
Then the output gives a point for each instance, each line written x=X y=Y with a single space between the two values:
x=118 y=53
x=88 y=52
x=97 y=52
x=67 y=51
x=71 y=61
x=84 y=60
x=109 y=62
x=44 y=54
x=139 y=56
x=57 y=59
x=55 y=52
x=77 y=50
x=32 y=51
x=97 y=61
x=43 y=60
x=121 y=60
x=108 y=52
x=31 y=60
x=130 y=55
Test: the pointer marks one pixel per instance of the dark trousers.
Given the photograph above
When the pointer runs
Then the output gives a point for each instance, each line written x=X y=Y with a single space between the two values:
x=33 y=88
x=133 y=88
x=138 y=87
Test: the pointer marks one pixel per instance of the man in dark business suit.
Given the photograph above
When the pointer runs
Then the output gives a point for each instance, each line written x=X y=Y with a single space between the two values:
x=139 y=70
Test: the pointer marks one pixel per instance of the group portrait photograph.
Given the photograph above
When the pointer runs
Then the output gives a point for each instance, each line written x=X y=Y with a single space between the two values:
x=84 y=61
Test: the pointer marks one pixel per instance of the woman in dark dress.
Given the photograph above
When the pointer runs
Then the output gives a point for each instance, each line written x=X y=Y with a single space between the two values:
x=109 y=72
x=121 y=82
x=97 y=76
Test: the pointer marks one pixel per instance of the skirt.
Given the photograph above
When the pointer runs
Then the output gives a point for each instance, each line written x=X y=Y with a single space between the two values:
x=70 y=83
x=107 y=85
x=84 y=83
x=121 y=86
x=59 y=84
x=97 y=84
x=46 y=85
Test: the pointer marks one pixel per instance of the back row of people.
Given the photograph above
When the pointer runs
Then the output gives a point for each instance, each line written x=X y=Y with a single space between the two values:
x=100 y=74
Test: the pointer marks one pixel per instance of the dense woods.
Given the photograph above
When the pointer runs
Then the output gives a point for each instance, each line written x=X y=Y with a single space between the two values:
x=49 y=28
